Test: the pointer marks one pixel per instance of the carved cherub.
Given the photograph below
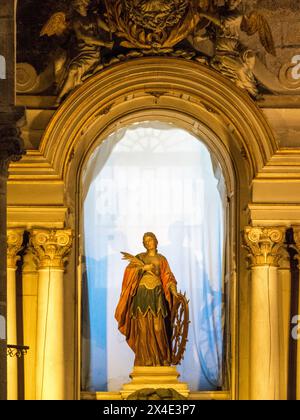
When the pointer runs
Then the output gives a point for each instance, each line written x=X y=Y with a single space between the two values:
x=230 y=56
x=73 y=65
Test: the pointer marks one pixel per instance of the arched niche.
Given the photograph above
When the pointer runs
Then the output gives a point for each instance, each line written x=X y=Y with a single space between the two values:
x=190 y=96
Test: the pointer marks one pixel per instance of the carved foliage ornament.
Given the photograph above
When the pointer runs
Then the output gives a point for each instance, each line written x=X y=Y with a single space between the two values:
x=51 y=247
x=264 y=245
x=14 y=245
x=154 y=25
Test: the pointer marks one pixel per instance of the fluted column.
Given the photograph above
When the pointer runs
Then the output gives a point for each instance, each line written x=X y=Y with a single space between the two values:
x=297 y=241
x=51 y=249
x=14 y=245
x=264 y=246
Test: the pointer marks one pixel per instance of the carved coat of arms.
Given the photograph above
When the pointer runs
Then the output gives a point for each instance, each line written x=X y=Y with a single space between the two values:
x=152 y=25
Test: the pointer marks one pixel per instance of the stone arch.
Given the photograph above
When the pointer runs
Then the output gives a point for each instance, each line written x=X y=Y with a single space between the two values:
x=185 y=93
x=145 y=87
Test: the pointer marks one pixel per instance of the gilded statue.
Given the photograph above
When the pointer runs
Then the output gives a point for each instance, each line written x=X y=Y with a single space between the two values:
x=144 y=312
x=73 y=66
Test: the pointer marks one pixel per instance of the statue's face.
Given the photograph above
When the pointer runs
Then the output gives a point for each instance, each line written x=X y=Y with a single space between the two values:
x=81 y=7
x=149 y=243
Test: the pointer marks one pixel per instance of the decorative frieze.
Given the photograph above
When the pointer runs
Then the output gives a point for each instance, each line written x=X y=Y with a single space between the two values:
x=264 y=245
x=51 y=247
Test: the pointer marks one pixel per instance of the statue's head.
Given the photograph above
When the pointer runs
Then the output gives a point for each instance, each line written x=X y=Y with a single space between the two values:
x=81 y=6
x=233 y=4
x=150 y=235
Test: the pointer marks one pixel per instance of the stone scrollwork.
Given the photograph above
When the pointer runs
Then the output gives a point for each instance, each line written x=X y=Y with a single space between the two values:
x=296 y=231
x=14 y=245
x=264 y=245
x=51 y=247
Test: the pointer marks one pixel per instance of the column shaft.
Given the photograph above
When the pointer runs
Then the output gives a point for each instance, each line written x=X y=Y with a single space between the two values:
x=12 y=362
x=264 y=337
x=298 y=355
x=51 y=248
x=50 y=335
x=29 y=304
x=296 y=231
x=14 y=245
x=284 y=307
x=264 y=245
x=3 y=287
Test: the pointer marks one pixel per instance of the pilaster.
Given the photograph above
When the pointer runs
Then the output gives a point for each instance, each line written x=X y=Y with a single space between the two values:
x=264 y=246
x=51 y=248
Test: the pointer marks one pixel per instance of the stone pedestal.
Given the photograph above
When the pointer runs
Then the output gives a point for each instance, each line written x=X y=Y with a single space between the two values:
x=154 y=377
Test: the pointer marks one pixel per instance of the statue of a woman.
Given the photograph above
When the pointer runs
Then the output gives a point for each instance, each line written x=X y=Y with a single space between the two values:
x=143 y=311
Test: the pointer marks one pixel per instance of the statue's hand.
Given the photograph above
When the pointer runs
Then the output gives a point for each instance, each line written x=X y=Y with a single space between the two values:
x=148 y=267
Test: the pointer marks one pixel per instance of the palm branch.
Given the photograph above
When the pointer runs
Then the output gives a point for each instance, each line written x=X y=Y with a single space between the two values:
x=136 y=262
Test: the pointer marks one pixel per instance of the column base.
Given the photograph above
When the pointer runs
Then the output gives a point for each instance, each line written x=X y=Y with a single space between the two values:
x=154 y=377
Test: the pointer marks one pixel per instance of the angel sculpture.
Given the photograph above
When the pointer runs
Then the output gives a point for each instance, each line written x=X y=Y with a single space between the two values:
x=230 y=57
x=72 y=67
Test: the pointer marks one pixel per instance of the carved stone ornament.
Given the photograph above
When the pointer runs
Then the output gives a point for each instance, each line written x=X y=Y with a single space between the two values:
x=296 y=232
x=11 y=145
x=51 y=247
x=264 y=245
x=14 y=245
x=189 y=29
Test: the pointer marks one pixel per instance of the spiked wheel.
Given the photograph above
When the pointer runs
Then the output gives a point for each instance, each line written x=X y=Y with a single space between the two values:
x=180 y=327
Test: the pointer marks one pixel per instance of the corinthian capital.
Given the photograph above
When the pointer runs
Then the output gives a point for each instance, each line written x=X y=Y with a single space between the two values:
x=51 y=247
x=14 y=245
x=264 y=245
x=296 y=230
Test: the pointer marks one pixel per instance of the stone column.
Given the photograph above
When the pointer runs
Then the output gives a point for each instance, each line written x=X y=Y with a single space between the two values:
x=297 y=241
x=14 y=245
x=264 y=245
x=29 y=306
x=51 y=249
x=11 y=149
x=284 y=307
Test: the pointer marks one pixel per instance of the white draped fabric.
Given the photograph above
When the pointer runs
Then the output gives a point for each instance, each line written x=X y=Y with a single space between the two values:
x=152 y=177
